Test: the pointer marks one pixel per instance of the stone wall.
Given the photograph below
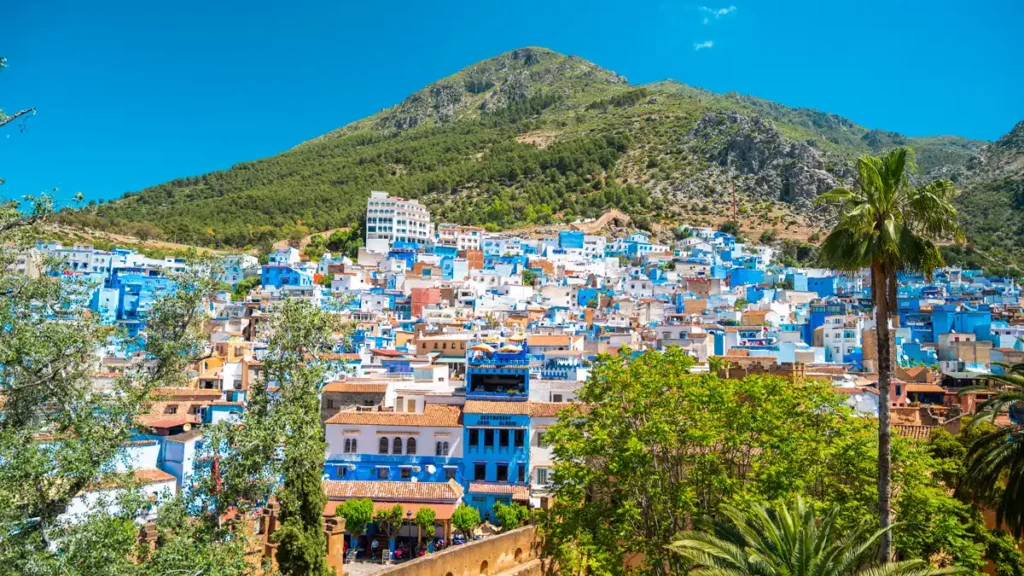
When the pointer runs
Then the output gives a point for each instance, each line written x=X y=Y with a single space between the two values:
x=513 y=553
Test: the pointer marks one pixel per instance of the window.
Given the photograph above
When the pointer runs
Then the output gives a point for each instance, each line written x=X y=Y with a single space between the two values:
x=502 y=472
x=399 y=404
x=479 y=471
x=503 y=438
x=519 y=438
x=489 y=438
x=171 y=409
x=383 y=445
x=521 y=473
x=437 y=451
x=540 y=438
x=382 y=473
x=558 y=397
x=405 y=472
x=449 y=473
x=330 y=403
x=445 y=449
x=397 y=446
x=341 y=471
x=542 y=476
x=410 y=446
x=474 y=437
x=410 y=406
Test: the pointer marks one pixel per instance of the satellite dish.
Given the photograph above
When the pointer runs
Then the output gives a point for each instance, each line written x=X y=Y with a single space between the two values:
x=431 y=469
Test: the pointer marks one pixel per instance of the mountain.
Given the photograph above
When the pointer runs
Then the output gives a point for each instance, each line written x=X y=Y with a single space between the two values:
x=532 y=137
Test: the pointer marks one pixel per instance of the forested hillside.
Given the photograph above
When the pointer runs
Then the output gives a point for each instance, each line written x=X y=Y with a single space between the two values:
x=535 y=137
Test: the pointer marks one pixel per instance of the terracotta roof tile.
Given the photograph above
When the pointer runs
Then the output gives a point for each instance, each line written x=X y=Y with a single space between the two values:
x=356 y=388
x=518 y=492
x=546 y=409
x=552 y=340
x=393 y=490
x=433 y=415
x=914 y=432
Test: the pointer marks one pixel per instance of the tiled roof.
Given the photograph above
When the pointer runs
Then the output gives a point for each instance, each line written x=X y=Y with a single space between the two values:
x=914 y=432
x=393 y=490
x=356 y=387
x=433 y=415
x=517 y=492
x=496 y=407
x=546 y=409
x=912 y=387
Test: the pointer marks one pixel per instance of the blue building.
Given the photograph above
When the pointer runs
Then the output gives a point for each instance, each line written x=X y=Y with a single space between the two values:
x=496 y=456
x=570 y=240
x=281 y=275
x=502 y=374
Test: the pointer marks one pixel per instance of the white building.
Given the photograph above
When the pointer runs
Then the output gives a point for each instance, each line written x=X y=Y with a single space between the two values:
x=390 y=219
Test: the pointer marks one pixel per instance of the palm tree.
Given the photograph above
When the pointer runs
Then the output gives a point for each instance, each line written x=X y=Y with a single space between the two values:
x=995 y=461
x=887 y=225
x=791 y=540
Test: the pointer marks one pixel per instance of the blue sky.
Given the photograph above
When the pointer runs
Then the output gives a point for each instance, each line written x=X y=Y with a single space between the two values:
x=132 y=94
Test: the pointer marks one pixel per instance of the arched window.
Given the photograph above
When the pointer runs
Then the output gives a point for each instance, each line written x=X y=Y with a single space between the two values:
x=438 y=452
x=383 y=445
x=397 y=446
x=444 y=451
x=410 y=446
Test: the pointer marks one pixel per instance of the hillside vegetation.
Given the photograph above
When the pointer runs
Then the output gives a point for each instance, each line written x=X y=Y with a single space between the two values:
x=535 y=137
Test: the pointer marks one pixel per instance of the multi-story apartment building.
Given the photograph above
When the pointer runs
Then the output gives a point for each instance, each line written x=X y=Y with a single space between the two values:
x=390 y=219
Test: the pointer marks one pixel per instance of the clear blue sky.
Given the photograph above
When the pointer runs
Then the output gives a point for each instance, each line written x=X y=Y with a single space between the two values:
x=133 y=93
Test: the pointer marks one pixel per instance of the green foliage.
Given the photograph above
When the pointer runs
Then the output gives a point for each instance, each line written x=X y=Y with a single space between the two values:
x=790 y=540
x=796 y=253
x=650 y=417
x=425 y=518
x=510 y=516
x=244 y=286
x=466 y=519
x=730 y=227
x=529 y=277
x=300 y=329
x=995 y=459
x=742 y=443
x=389 y=521
x=357 y=512
x=621 y=100
x=768 y=237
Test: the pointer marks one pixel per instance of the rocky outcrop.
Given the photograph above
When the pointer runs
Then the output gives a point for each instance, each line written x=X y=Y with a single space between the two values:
x=775 y=168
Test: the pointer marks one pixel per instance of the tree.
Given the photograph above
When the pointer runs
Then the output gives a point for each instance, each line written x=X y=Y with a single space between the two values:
x=59 y=434
x=529 y=277
x=768 y=236
x=466 y=519
x=357 y=513
x=510 y=516
x=389 y=521
x=730 y=227
x=790 y=540
x=302 y=333
x=244 y=286
x=888 y=225
x=995 y=460
x=658 y=447
x=424 y=520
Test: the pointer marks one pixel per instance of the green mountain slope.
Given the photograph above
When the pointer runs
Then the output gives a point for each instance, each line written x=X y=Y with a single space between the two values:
x=535 y=137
